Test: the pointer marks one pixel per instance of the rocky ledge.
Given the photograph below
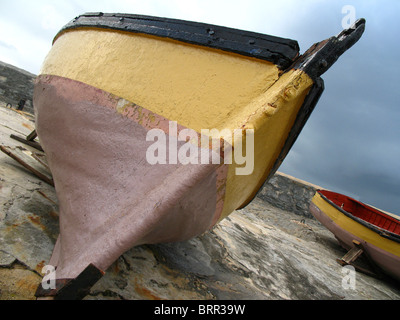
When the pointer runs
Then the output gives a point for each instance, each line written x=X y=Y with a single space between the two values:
x=272 y=249
x=16 y=85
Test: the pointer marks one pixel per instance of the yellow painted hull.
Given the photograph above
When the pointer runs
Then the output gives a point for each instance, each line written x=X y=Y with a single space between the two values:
x=199 y=88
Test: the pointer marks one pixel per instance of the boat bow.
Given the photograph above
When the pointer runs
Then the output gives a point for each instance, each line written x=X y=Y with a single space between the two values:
x=111 y=79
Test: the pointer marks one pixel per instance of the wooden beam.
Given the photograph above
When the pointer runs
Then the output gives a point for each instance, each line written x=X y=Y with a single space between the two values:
x=31 y=136
x=353 y=254
x=40 y=175
x=33 y=144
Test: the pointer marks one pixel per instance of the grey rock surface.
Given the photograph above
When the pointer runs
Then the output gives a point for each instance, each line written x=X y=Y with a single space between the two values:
x=16 y=84
x=288 y=193
x=263 y=251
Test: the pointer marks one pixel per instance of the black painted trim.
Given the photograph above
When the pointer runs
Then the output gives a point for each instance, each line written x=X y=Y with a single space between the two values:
x=314 y=62
x=279 y=51
x=322 y=55
x=304 y=113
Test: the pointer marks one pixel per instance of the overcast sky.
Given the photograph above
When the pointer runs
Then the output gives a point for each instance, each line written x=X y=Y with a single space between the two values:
x=351 y=143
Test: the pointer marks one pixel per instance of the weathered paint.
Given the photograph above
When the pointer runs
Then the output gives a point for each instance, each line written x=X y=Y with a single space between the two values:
x=101 y=90
x=195 y=86
x=272 y=117
x=198 y=87
x=110 y=197
x=277 y=50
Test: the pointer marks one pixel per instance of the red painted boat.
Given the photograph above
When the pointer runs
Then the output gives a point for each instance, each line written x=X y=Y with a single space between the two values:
x=349 y=219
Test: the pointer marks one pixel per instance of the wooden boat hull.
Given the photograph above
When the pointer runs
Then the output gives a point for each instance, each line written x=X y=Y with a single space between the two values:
x=109 y=80
x=380 y=244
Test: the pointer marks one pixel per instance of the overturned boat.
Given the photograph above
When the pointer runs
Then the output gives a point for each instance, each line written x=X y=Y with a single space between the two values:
x=350 y=220
x=145 y=121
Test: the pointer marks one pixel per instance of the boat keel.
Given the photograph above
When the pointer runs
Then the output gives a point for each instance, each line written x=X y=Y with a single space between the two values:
x=72 y=289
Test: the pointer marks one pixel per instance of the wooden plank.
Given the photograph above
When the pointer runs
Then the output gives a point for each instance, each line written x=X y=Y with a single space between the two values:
x=33 y=144
x=40 y=175
x=376 y=270
x=41 y=158
x=31 y=136
x=352 y=254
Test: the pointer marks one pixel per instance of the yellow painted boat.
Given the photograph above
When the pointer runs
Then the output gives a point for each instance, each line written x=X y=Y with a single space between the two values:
x=349 y=219
x=145 y=122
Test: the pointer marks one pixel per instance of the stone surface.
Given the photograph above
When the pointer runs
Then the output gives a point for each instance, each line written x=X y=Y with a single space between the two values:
x=288 y=193
x=18 y=283
x=259 y=252
x=16 y=84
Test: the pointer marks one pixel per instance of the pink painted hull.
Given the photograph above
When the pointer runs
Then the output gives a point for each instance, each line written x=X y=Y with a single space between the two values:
x=110 y=197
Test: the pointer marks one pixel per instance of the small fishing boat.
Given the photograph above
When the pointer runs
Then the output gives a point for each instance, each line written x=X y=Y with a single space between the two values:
x=349 y=220
x=144 y=120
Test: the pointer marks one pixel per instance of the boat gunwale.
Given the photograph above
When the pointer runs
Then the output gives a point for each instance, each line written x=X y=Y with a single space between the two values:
x=307 y=107
x=380 y=231
x=280 y=51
